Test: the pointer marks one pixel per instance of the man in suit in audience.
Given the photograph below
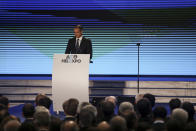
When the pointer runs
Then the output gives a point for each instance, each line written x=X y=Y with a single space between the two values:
x=79 y=44
x=70 y=107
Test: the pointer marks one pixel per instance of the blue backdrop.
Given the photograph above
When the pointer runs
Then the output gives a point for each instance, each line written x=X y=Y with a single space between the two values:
x=32 y=31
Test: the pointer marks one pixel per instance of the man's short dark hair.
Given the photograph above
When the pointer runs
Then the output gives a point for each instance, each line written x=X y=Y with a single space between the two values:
x=144 y=107
x=45 y=101
x=28 y=110
x=70 y=106
x=41 y=119
x=3 y=112
x=143 y=126
x=86 y=118
x=27 y=126
x=80 y=27
x=131 y=119
x=160 y=112
x=38 y=97
x=151 y=98
x=118 y=123
x=55 y=124
x=174 y=103
x=108 y=108
x=4 y=100
x=189 y=107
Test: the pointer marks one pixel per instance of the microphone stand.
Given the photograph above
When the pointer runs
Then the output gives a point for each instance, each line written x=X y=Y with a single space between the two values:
x=138 y=68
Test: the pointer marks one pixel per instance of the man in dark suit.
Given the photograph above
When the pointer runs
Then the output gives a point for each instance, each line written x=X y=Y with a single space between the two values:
x=79 y=44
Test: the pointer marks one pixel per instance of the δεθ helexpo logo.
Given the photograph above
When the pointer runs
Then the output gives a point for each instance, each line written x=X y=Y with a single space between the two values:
x=71 y=59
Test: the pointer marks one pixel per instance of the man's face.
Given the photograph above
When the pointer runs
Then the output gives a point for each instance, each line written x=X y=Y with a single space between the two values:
x=77 y=32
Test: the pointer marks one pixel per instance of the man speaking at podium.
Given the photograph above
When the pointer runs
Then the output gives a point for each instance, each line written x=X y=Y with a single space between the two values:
x=79 y=44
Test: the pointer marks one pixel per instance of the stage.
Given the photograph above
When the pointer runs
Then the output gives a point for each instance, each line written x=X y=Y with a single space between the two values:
x=23 y=88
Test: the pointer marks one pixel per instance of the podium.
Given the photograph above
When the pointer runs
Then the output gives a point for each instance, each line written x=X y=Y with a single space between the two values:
x=70 y=78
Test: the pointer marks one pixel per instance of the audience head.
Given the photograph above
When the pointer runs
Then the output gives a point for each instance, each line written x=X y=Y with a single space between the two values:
x=42 y=109
x=4 y=101
x=45 y=101
x=86 y=118
x=143 y=126
x=151 y=98
x=118 y=123
x=55 y=124
x=69 y=126
x=42 y=120
x=70 y=106
x=27 y=126
x=131 y=119
x=7 y=119
x=138 y=97
x=3 y=112
x=111 y=99
x=174 y=125
x=187 y=106
x=107 y=108
x=174 y=103
x=12 y=125
x=38 y=97
x=179 y=115
x=92 y=109
x=124 y=106
x=81 y=105
x=159 y=112
x=28 y=110
x=144 y=107
x=103 y=126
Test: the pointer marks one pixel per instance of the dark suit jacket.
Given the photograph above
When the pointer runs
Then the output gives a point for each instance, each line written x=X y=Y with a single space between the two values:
x=85 y=47
x=70 y=118
x=159 y=127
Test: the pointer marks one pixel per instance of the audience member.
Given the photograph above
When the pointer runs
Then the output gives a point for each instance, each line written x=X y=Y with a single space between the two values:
x=118 y=123
x=111 y=99
x=86 y=117
x=151 y=98
x=105 y=111
x=69 y=126
x=70 y=109
x=131 y=119
x=104 y=126
x=28 y=111
x=159 y=115
x=42 y=120
x=180 y=115
x=124 y=106
x=55 y=124
x=187 y=106
x=45 y=101
x=144 y=109
x=174 y=103
x=12 y=125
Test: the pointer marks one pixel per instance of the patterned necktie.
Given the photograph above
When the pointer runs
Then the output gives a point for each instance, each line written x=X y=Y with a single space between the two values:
x=77 y=45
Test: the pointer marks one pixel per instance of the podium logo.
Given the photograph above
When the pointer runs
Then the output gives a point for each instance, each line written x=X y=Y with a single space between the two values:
x=71 y=59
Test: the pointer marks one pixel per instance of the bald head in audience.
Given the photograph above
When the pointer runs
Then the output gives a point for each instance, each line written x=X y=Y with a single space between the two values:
x=69 y=126
x=103 y=126
x=12 y=125
x=180 y=115
x=118 y=123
